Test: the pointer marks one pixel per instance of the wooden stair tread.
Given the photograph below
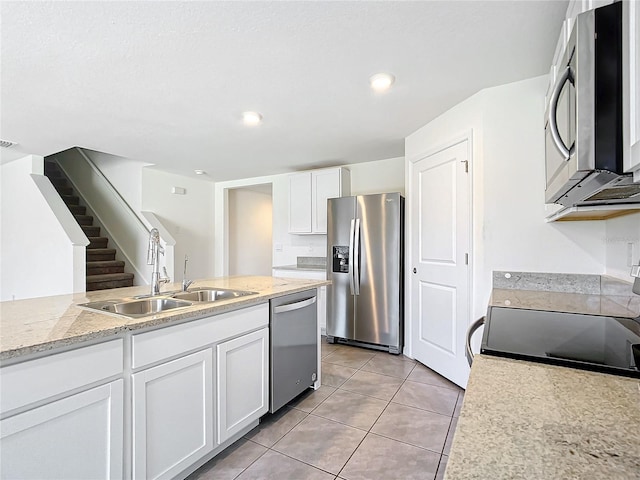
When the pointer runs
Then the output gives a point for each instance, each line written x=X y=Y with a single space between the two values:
x=103 y=251
x=102 y=270
x=109 y=277
x=105 y=263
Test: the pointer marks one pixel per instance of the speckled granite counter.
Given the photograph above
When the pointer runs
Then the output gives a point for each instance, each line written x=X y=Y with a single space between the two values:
x=523 y=420
x=47 y=323
x=592 y=304
x=303 y=268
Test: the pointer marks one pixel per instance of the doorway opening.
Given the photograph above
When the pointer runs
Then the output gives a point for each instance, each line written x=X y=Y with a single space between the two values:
x=250 y=220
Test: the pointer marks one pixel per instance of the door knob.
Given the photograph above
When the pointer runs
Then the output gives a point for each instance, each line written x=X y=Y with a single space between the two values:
x=415 y=270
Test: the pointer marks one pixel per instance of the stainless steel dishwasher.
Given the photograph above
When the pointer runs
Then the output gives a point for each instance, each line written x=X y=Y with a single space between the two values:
x=294 y=346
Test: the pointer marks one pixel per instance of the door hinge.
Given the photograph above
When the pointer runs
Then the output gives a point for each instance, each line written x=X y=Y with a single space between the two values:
x=466 y=259
x=466 y=165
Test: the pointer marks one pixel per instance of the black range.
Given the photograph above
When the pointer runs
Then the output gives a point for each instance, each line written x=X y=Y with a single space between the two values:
x=590 y=342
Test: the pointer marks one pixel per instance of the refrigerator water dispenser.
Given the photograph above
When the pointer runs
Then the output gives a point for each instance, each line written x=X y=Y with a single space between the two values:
x=340 y=259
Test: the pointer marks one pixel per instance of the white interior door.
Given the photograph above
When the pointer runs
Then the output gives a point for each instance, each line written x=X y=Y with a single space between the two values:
x=439 y=255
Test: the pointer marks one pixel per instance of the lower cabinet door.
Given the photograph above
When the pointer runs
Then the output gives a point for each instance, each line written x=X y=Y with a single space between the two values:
x=77 y=437
x=243 y=382
x=173 y=420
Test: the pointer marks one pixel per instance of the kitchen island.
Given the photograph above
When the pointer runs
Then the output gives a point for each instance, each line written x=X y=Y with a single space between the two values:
x=98 y=395
x=39 y=325
x=526 y=420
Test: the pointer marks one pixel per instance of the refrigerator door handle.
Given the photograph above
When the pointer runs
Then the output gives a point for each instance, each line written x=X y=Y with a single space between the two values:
x=356 y=259
x=351 y=254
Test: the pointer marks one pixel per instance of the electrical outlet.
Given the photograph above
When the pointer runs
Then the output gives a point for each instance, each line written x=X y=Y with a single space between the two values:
x=277 y=247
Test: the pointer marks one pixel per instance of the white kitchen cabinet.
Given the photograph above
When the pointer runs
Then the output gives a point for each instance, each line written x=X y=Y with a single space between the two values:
x=308 y=194
x=631 y=87
x=242 y=382
x=76 y=437
x=173 y=415
x=300 y=202
x=58 y=421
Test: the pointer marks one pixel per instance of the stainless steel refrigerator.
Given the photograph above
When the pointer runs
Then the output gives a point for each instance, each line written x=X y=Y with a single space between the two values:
x=365 y=257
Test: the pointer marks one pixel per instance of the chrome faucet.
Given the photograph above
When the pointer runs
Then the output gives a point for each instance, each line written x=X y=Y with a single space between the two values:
x=153 y=258
x=185 y=282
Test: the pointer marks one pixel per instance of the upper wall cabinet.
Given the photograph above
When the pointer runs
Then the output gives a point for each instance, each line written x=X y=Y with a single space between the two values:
x=308 y=194
x=631 y=87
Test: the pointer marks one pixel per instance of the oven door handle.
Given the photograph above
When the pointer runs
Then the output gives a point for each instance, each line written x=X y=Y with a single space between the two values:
x=567 y=75
x=470 y=331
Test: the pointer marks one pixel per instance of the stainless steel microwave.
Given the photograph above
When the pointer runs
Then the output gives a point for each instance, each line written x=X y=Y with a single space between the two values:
x=583 y=129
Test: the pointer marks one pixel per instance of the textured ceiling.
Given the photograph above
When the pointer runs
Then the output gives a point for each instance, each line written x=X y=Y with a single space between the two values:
x=166 y=82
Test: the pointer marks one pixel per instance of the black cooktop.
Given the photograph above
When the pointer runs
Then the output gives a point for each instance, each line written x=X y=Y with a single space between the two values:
x=591 y=342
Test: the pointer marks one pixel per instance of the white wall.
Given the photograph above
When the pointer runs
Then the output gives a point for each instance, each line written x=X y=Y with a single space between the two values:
x=382 y=176
x=509 y=230
x=369 y=177
x=622 y=245
x=126 y=230
x=250 y=231
x=124 y=174
x=189 y=218
x=42 y=247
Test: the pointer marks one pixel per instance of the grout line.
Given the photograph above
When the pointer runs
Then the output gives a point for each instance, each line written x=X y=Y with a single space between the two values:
x=259 y=457
x=302 y=461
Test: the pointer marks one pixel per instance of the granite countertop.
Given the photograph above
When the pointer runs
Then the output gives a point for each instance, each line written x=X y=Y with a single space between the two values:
x=313 y=268
x=524 y=420
x=46 y=323
x=592 y=304
x=527 y=420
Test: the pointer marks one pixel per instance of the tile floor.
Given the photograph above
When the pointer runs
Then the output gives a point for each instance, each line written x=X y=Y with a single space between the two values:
x=376 y=416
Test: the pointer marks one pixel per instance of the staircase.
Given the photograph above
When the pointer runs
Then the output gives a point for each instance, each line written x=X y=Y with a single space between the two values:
x=103 y=270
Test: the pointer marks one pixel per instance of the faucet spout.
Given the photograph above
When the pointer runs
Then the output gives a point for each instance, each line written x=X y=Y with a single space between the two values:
x=153 y=258
x=185 y=282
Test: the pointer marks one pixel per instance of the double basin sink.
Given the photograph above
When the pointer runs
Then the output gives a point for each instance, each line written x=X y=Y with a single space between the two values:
x=136 y=307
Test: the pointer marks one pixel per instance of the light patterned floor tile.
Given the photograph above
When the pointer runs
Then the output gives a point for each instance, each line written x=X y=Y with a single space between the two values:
x=383 y=387
x=351 y=357
x=422 y=374
x=273 y=427
x=320 y=442
x=414 y=426
x=230 y=463
x=392 y=365
x=309 y=400
x=335 y=375
x=379 y=457
x=275 y=466
x=427 y=397
x=352 y=409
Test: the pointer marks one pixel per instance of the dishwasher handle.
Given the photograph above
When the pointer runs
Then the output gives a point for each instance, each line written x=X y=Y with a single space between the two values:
x=472 y=329
x=294 y=306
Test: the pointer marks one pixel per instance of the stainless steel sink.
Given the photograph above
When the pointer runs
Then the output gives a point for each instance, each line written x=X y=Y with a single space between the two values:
x=135 y=308
x=211 y=295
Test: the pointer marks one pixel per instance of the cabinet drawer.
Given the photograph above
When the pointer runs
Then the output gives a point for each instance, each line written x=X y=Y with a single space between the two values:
x=35 y=380
x=167 y=342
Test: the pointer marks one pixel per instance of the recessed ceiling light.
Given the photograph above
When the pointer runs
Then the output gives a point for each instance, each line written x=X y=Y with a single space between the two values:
x=382 y=81
x=200 y=172
x=251 y=118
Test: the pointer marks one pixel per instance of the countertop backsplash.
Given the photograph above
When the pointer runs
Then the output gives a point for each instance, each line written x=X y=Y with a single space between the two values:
x=312 y=262
x=562 y=282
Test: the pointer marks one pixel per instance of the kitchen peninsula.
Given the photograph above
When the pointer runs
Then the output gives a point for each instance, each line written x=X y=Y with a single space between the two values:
x=98 y=395
x=527 y=420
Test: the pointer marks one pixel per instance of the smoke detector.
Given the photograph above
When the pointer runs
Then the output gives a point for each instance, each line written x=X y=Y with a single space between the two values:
x=7 y=143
